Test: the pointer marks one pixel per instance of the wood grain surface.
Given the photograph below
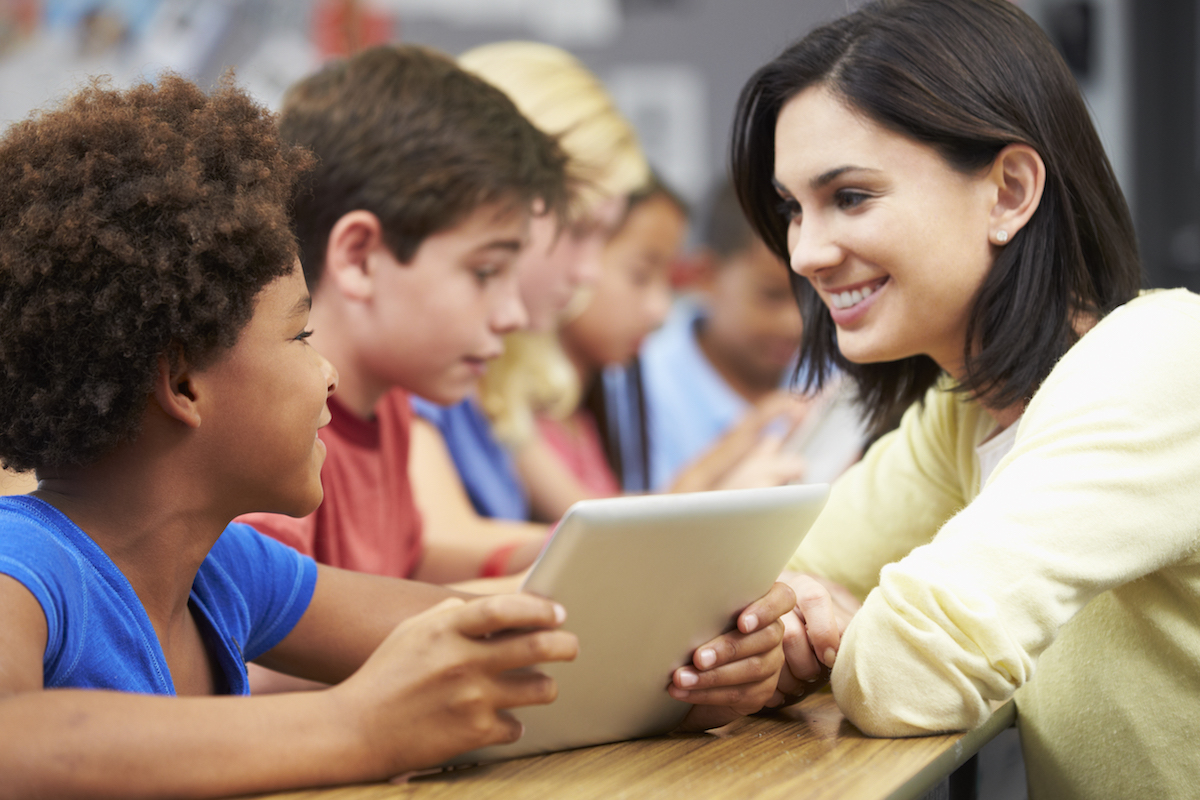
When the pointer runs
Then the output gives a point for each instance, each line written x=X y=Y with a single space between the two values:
x=807 y=751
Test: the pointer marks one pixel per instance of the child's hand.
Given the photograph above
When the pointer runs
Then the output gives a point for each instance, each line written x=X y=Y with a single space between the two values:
x=751 y=453
x=440 y=683
x=736 y=673
x=812 y=635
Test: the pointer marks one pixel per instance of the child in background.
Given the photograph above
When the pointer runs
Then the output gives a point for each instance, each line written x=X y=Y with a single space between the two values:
x=568 y=460
x=461 y=472
x=159 y=381
x=723 y=349
x=409 y=227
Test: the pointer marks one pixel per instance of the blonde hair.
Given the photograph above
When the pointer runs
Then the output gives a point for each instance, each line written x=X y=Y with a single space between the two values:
x=561 y=97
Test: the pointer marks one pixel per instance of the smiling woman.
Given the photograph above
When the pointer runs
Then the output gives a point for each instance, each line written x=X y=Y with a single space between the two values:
x=959 y=246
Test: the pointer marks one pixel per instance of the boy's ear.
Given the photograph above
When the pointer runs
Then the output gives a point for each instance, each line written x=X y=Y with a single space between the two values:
x=353 y=239
x=1019 y=177
x=175 y=392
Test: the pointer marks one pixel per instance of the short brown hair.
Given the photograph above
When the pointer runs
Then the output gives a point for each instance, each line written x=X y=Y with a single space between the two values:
x=137 y=224
x=402 y=132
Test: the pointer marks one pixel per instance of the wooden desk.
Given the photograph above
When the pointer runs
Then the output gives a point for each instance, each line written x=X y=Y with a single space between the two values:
x=808 y=751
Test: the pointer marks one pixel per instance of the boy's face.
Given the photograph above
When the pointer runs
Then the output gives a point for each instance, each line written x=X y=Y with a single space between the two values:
x=752 y=318
x=265 y=400
x=441 y=317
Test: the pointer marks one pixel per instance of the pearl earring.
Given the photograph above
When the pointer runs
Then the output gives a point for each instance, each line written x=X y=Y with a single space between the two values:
x=1001 y=236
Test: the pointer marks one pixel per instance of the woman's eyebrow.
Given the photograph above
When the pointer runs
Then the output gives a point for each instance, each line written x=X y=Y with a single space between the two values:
x=830 y=175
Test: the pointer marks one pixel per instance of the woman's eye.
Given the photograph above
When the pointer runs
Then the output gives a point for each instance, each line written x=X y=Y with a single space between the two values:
x=483 y=275
x=788 y=208
x=847 y=199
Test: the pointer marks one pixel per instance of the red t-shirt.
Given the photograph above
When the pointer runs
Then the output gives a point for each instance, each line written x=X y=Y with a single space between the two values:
x=368 y=521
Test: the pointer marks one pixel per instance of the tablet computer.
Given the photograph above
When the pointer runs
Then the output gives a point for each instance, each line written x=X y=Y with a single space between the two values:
x=646 y=580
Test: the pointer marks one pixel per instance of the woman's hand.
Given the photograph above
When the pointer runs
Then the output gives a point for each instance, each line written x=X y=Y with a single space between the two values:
x=736 y=673
x=812 y=634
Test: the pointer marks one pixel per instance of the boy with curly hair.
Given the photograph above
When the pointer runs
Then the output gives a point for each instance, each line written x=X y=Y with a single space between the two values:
x=159 y=380
x=157 y=377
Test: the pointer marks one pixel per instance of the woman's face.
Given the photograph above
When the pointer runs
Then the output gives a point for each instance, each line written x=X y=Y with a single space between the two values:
x=633 y=293
x=893 y=239
x=561 y=259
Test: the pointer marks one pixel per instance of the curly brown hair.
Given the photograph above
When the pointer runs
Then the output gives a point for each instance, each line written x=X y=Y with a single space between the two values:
x=137 y=224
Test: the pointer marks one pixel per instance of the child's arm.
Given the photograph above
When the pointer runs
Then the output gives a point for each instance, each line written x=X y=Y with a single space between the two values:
x=437 y=685
x=553 y=488
x=459 y=543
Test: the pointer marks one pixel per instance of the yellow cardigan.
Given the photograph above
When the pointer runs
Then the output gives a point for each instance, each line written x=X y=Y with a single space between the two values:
x=1072 y=579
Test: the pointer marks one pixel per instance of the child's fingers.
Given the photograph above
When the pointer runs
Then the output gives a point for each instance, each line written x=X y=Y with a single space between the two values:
x=488 y=615
x=510 y=651
x=524 y=687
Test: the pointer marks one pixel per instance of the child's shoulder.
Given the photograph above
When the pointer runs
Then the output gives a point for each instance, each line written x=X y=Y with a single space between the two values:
x=37 y=536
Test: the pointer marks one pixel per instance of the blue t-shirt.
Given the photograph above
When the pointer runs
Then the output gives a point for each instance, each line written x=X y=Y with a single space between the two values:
x=248 y=595
x=484 y=465
x=688 y=404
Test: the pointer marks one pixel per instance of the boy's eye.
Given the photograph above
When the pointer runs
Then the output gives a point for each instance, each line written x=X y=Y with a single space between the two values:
x=304 y=335
x=485 y=274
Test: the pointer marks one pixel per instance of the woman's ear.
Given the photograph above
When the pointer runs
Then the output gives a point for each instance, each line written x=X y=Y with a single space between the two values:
x=1019 y=177
x=175 y=391
x=353 y=239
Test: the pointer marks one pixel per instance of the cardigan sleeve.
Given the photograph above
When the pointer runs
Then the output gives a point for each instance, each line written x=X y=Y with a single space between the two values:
x=1099 y=490
x=897 y=497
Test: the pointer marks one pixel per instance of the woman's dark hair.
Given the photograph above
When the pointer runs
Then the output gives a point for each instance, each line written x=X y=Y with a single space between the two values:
x=137 y=225
x=967 y=78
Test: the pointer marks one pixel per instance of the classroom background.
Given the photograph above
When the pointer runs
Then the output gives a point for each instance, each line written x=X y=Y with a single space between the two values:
x=674 y=66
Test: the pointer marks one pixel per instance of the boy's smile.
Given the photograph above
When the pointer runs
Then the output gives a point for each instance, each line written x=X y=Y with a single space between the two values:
x=266 y=397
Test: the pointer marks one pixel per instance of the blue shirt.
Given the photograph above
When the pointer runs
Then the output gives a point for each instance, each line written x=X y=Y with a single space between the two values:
x=688 y=404
x=248 y=595
x=484 y=465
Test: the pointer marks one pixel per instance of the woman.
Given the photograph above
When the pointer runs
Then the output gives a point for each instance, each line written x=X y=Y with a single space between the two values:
x=959 y=244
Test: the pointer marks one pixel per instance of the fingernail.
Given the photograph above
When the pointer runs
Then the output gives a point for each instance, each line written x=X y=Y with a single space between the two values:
x=560 y=614
x=687 y=678
x=707 y=658
x=829 y=657
x=751 y=623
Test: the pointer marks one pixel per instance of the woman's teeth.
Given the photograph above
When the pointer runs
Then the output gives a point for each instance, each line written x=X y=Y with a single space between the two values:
x=847 y=299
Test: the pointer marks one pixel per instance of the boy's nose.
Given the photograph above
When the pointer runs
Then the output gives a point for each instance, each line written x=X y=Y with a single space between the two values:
x=331 y=375
x=509 y=313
